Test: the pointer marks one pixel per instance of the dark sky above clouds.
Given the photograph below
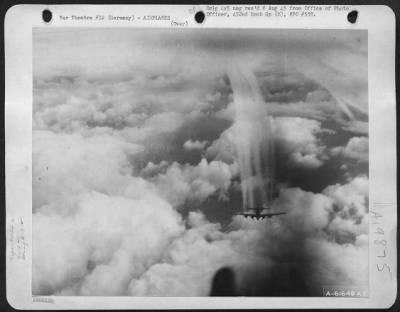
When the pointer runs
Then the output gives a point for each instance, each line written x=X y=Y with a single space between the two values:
x=138 y=125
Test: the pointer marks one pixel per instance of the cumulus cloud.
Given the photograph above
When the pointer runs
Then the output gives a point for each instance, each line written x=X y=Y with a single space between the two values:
x=299 y=137
x=152 y=169
x=356 y=148
x=94 y=249
x=308 y=160
x=185 y=182
x=352 y=197
x=67 y=164
x=190 y=145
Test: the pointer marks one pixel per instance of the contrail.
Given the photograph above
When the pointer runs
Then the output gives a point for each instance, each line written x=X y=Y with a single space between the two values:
x=252 y=136
x=253 y=126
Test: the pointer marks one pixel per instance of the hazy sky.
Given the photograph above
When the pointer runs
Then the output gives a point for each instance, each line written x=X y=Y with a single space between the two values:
x=136 y=176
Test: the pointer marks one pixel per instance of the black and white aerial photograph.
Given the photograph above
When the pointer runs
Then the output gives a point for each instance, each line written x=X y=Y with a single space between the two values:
x=199 y=162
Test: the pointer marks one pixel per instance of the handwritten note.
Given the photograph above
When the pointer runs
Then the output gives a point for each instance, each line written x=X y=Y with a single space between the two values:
x=380 y=239
x=16 y=239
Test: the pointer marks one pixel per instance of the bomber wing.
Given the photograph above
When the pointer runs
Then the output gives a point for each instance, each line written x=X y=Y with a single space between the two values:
x=271 y=214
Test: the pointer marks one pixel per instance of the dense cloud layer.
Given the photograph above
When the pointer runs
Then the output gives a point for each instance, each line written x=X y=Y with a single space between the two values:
x=132 y=157
x=114 y=234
